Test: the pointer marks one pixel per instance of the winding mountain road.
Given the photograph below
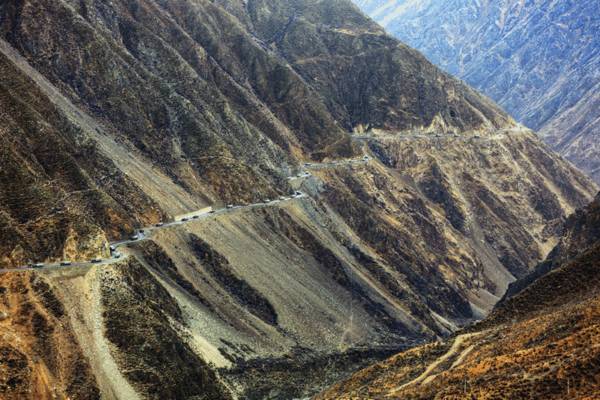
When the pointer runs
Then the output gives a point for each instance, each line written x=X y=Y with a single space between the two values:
x=331 y=164
x=146 y=232
x=456 y=353
x=194 y=216
x=483 y=137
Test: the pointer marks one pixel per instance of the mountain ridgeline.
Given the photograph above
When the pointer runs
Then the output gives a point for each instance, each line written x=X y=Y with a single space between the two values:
x=115 y=116
x=211 y=105
x=538 y=59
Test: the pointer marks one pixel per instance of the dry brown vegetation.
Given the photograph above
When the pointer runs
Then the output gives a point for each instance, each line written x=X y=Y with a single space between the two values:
x=40 y=358
x=541 y=343
x=553 y=356
x=115 y=115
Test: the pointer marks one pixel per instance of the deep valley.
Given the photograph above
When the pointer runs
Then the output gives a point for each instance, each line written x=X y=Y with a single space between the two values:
x=293 y=194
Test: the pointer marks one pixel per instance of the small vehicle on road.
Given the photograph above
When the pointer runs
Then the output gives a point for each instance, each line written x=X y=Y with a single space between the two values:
x=38 y=265
x=112 y=248
x=65 y=263
x=266 y=200
x=185 y=219
x=117 y=255
x=212 y=212
x=135 y=237
x=96 y=260
x=159 y=224
x=229 y=206
x=281 y=198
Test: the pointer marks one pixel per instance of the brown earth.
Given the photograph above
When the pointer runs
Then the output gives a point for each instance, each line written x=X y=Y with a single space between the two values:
x=118 y=115
x=39 y=354
x=542 y=342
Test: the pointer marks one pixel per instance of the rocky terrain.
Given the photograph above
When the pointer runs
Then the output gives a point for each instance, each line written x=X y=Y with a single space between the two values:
x=116 y=116
x=538 y=59
x=540 y=342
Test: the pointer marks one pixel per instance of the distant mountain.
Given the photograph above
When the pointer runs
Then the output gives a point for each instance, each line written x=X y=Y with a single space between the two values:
x=540 y=60
x=549 y=330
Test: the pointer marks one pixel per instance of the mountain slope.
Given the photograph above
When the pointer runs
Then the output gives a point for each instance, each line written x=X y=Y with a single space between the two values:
x=119 y=115
x=538 y=60
x=540 y=342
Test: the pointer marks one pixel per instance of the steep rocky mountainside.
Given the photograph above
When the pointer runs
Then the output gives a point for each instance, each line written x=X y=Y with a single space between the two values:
x=539 y=343
x=198 y=104
x=115 y=116
x=540 y=60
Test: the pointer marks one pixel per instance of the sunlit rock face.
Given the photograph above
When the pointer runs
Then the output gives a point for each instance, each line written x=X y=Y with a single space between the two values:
x=538 y=59
x=117 y=115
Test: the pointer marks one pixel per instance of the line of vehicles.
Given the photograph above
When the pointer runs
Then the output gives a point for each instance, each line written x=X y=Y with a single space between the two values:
x=67 y=263
x=141 y=234
x=115 y=254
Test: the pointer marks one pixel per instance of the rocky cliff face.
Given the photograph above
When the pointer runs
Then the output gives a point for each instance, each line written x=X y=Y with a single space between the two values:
x=537 y=59
x=549 y=329
x=119 y=115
